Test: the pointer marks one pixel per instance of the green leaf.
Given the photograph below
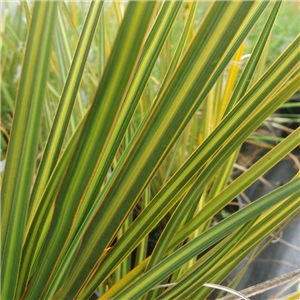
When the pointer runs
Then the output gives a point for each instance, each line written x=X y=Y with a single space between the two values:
x=66 y=103
x=92 y=138
x=261 y=230
x=240 y=184
x=151 y=49
x=244 y=81
x=162 y=127
x=224 y=261
x=20 y=164
x=149 y=162
x=211 y=236
x=164 y=201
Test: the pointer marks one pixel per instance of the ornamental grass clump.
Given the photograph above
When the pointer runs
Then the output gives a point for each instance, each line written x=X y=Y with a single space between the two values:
x=129 y=132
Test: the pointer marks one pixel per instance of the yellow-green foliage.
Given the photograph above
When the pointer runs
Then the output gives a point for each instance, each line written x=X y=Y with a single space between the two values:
x=122 y=123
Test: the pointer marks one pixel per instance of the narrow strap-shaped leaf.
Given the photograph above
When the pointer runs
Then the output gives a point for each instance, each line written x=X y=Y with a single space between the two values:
x=157 y=135
x=153 y=45
x=68 y=18
x=64 y=56
x=227 y=58
x=220 y=104
x=203 y=179
x=20 y=164
x=141 y=253
x=101 y=36
x=211 y=236
x=93 y=136
x=251 y=65
x=206 y=262
x=224 y=262
x=231 y=80
x=207 y=173
x=261 y=230
x=139 y=270
x=27 y=10
x=215 y=260
x=163 y=201
x=181 y=46
x=240 y=184
x=36 y=225
x=291 y=143
x=66 y=103
x=126 y=280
